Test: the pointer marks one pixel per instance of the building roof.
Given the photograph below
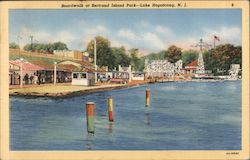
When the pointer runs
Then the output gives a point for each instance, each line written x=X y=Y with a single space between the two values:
x=35 y=65
x=27 y=66
x=193 y=64
x=85 y=66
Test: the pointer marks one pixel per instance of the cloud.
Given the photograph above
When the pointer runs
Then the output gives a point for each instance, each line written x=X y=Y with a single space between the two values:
x=227 y=34
x=97 y=30
x=152 y=40
x=146 y=36
x=127 y=34
x=143 y=24
x=64 y=36
x=164 y=31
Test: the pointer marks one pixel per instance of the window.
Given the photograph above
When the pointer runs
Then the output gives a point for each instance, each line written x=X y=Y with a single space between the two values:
x=84 y=75
x=75 y=75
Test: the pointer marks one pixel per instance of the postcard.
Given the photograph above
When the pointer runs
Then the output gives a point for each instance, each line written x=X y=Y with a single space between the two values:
x=124 y=79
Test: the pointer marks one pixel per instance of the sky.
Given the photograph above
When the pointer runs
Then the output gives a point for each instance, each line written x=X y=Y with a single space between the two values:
x=149 y=30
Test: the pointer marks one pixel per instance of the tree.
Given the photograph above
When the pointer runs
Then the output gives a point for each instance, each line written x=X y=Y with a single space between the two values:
x=13 y=45
x=189 y=56
x=104 y=52
x=60 y=46
x=173 y=54
x=120 y=56
x=135 y=60
x=49 y=48
x=222 y=57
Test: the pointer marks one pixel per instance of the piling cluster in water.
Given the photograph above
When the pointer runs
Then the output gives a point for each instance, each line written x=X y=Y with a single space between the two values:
x=90 y=112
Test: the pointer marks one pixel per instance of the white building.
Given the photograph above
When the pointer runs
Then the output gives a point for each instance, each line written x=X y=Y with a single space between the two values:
x=127 y=70
x=138 y=76
x=69 y=54
x=234 y=72
x=83 y=78
x=82 y=72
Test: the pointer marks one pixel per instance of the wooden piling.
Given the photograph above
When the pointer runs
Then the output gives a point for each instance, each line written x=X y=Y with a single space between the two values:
x=90 y=115
x=110 y=109
x=147 y=97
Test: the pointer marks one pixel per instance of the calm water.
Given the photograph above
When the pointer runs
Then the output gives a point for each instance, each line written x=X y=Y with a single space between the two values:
x=182 y=116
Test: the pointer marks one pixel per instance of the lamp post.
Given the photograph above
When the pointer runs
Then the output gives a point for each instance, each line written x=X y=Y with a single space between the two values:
x=95 y=60
x=18 y=41
x=21 y=73
x=55 y=73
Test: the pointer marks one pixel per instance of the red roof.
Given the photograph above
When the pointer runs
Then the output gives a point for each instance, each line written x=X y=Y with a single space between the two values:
x=27 y=66
x=193 y=64
x=190 y=68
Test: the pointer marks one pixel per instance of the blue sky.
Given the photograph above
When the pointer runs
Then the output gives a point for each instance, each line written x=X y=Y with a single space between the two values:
x=148 y=30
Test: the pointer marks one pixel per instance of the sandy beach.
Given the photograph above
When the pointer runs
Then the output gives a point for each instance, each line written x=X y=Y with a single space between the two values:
x=66 y=89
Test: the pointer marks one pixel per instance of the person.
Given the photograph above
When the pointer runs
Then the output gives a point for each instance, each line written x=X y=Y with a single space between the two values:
x=52 y=78
x=17 y=81
x=39 y=78
x=43 y=78
x=35 y=78
x=31 y=79
x=26 y=78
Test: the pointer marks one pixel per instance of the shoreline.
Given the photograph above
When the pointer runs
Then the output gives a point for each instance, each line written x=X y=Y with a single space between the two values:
x=94 y=89
x=70 y=94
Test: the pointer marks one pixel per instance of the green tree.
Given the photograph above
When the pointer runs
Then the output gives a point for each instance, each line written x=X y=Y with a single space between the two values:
x=173 y=54
x=135 y=60
x=222 y=57
x=27 y=47
x=104 y=53
x=49 y=48
x=120 y=56
x=189 y=56
x=13 y=45
x=60 y=46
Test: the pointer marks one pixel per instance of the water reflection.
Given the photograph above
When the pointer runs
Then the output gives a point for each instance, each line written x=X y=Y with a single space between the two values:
x=90 y=141
x=110 y=127
x=148 y=118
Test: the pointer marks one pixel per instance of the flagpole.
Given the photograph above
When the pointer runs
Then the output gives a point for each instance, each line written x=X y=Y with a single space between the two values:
x=95 y=60
x=214 y=42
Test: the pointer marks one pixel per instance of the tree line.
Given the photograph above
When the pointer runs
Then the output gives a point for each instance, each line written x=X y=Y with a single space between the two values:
x=217 y=59
x=114 y=56
x=41 y=47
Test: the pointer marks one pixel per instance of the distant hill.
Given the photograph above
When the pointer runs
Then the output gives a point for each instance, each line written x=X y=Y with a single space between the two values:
x=32 y=56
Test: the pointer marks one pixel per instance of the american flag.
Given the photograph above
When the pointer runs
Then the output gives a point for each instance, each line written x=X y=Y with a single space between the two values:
x=217 y=38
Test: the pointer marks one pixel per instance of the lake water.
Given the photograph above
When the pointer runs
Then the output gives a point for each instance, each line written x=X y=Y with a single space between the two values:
x=182 y=116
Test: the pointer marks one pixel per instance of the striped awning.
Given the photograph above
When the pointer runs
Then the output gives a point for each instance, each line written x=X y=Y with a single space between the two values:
x=27 y=66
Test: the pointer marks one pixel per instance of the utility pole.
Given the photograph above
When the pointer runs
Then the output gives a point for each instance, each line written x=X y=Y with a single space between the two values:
x=95 y=60
x=21 y=73
x=31 y=42
x=18 y=41
x=55 y=76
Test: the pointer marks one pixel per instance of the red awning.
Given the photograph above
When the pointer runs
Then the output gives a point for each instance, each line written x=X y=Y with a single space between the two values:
x=27 y=66
x=193 y=64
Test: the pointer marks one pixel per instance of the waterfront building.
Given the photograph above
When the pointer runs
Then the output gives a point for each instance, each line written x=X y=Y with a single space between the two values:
x=77 y=55
x=30 y=70
x=234 y=71
x=82 y=73
x=192 y=67
x=138 y=76
x=84 y=78
x=124 y=70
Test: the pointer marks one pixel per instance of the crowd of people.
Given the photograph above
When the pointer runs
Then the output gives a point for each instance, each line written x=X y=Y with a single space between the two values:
x=36 y=78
